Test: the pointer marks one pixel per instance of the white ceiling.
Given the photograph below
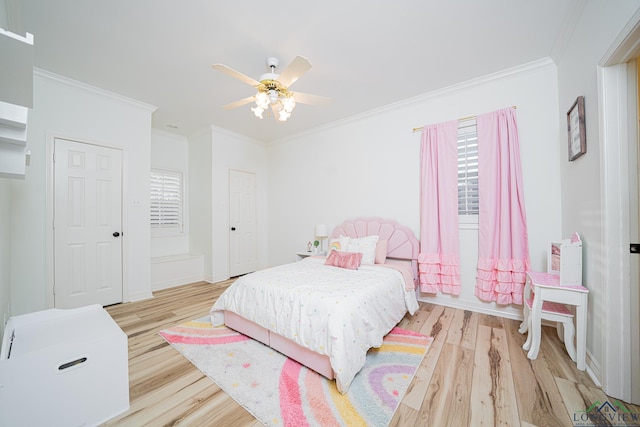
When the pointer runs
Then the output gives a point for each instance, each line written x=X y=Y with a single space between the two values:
x=365 y=54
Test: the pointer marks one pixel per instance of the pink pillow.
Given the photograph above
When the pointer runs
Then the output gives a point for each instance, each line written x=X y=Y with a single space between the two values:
x=350 y=260
x=381 y=251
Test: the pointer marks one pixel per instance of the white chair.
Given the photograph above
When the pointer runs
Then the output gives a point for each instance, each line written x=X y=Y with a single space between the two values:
x=546 y=296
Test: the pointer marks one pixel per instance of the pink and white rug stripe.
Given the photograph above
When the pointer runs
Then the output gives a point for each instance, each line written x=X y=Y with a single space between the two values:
x=280 y=392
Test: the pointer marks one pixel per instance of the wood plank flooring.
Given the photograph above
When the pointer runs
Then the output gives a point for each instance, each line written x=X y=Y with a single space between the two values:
x=475 y=372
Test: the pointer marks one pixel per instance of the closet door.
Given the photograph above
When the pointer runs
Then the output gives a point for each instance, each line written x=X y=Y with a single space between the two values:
x=87 y=224
x=242 y=222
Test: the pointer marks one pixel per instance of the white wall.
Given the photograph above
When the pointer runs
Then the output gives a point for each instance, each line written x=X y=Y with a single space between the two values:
x=211 y=155
x=171 y=152
x=200 y=200
x=66 y=108
x=369 y=166
x=5 y=252
x=596 y=30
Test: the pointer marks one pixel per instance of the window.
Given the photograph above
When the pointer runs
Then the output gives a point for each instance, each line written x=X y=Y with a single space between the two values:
x=166 y=202
x=468 y=201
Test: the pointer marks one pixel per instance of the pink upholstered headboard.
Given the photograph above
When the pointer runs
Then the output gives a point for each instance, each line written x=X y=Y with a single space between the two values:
x=402 y=243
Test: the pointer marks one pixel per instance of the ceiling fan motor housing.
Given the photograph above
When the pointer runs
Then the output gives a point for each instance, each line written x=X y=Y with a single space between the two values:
x=273 y=62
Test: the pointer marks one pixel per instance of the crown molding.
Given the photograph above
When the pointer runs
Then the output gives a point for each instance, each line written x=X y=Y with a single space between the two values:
x=569 y=23
x=44 y=74
x=626 y=46
x=520 y=69
x=167 y=134
x=232 y=134
x=211 y=130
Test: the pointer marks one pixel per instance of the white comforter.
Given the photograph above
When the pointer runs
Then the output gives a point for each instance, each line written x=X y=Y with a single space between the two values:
x=332 y=311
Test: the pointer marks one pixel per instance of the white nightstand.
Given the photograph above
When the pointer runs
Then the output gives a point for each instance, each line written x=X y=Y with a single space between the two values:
x=302 y=255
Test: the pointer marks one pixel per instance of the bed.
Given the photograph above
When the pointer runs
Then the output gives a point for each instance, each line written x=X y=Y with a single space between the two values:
x=327 y=317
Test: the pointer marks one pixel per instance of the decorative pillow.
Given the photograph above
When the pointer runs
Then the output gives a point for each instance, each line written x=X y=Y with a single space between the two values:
x=366 y=246
x=350 y=260
x=338 y=244
x=381 y=251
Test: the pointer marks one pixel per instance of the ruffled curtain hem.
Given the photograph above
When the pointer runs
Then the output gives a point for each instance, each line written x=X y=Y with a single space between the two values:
x=501 y=280
x=439 y=273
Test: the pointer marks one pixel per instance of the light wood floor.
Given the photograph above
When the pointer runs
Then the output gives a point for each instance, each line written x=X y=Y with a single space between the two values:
x=475 y=372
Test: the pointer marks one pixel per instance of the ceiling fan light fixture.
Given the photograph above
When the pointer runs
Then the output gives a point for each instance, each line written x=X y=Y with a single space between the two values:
x=284 y=115
x=289 y=103
x=262 y=100
x=274 y=95
x=257 y=111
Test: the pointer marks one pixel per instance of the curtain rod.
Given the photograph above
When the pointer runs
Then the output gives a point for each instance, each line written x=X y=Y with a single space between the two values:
x=460 y=120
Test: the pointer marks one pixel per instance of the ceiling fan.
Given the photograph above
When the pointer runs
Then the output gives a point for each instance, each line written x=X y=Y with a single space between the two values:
x=273 y=88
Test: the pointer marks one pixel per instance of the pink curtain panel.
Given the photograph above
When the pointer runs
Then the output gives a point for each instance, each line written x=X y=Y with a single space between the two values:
x=503 y=248
x=439 y=258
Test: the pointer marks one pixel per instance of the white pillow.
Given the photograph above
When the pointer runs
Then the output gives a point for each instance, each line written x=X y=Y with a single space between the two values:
x=366 y=246
x=338 y=244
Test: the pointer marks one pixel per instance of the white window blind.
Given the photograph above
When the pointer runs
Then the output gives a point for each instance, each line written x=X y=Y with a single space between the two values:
x=468 y=200
x=166 y=200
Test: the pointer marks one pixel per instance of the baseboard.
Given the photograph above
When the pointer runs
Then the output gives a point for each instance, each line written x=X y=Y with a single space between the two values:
x=216 y=279
x=593 y=369
x=508 y=312
x=172 y=283
x=140 y=296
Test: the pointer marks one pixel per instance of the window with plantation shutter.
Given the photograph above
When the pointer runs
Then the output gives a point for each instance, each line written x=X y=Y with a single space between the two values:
x=468 y=201
x=166 y=202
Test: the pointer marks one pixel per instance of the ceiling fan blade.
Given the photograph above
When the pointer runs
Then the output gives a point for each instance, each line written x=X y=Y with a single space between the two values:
x=294 y=70
x=305 y=98
x=239 y=103
x=236 y=74
x=275 y=112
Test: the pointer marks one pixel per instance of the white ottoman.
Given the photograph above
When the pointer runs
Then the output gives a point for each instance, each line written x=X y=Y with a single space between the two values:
x=63 y=368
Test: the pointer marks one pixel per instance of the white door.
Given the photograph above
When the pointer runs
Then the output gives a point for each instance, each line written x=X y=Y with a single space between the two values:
x=87 y=224
x=634 y=226
x=242 y=222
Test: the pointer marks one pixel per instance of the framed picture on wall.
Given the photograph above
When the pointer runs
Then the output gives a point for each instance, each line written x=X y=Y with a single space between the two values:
x=577 y=129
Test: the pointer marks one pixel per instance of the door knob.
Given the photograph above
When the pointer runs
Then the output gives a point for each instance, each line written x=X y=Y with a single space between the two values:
x=116 y=234
x=233 y=229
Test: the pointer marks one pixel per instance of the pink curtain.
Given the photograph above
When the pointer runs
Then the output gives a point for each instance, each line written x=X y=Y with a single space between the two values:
x=439 y=258
x=503 y=248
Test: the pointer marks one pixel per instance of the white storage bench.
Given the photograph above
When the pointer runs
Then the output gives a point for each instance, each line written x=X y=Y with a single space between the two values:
x=63 y=368
x=176 y=270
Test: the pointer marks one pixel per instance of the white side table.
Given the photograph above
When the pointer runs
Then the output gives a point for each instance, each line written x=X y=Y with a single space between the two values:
x=302 y=255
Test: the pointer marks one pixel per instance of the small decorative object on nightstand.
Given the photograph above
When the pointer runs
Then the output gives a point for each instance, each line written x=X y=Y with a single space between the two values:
x=322 y=232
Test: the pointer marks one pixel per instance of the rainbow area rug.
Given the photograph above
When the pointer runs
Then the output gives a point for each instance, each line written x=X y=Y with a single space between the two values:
x=280 y=392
